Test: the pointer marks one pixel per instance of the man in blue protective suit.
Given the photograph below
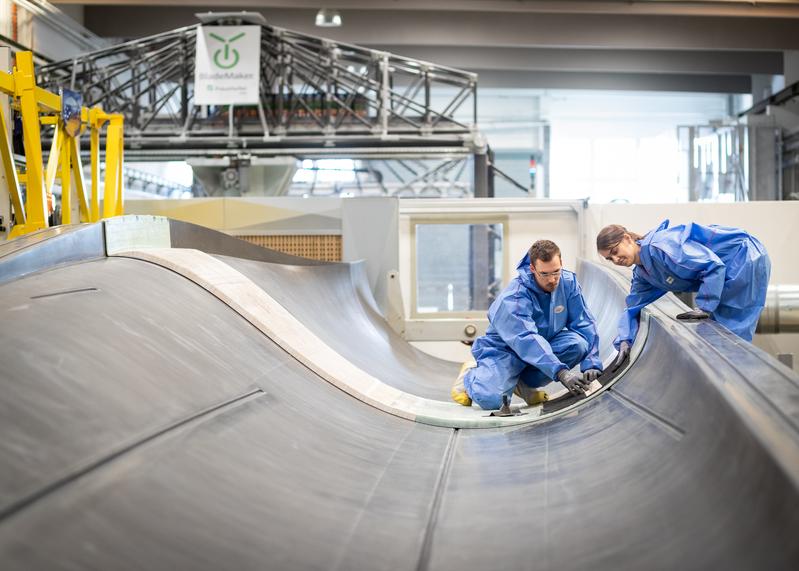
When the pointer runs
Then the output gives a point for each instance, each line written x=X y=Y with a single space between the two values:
x=727 y=267
x=539 y=329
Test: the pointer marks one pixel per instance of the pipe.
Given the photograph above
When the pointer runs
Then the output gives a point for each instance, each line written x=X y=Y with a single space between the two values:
x=781 y=313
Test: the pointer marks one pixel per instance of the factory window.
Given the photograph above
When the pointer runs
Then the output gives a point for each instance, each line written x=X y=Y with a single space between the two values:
x=458 y=267
x=623 y=146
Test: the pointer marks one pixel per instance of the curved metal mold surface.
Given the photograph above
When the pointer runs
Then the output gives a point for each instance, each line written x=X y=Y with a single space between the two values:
x=662 y=471
x=260 y=309
x=93 y=358
x=334 y=301
x=152 y=432
x=169 y=433
x=50 y=247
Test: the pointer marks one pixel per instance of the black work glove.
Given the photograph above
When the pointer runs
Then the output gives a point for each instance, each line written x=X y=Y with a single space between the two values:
x=590 y=376
x=624 y=352
x=693 y=315
x=572 y=381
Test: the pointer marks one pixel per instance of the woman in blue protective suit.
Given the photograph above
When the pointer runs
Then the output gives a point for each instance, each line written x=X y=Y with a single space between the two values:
x=727 y=267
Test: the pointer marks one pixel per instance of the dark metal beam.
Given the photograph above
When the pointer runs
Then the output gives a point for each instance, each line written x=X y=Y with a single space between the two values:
x=441 y=28
x=620 y=81
x=596 y=60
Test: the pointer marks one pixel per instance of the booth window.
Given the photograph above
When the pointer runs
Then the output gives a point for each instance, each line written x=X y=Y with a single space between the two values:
x=458 y=267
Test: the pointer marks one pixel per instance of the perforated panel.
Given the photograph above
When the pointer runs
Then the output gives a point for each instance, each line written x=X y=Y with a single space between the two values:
x=326 y=247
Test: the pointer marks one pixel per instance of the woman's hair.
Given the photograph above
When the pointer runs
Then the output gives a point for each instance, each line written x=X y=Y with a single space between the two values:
x=611 y=235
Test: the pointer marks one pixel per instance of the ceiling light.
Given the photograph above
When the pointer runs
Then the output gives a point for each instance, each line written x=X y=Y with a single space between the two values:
x=328 y=18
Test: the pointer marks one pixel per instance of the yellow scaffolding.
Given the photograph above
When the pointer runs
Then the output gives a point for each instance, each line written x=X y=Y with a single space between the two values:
x=40 y=107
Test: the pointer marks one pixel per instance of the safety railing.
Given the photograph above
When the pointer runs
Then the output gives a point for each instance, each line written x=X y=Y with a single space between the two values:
x=38 y=107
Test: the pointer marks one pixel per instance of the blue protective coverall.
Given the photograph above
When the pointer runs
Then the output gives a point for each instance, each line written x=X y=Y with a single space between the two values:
x=728 y=268
x=532 y=335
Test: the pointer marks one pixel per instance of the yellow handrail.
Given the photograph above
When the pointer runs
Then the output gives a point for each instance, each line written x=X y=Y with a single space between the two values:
x=36 y=107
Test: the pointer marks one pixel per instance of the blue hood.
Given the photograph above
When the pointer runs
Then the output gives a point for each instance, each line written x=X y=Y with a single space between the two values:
x=526 y=275
x=647 y=239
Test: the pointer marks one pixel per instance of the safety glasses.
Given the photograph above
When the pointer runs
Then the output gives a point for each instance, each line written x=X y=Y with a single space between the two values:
x=554 y=274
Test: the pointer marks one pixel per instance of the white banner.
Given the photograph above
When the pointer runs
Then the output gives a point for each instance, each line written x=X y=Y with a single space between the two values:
x=227 y=67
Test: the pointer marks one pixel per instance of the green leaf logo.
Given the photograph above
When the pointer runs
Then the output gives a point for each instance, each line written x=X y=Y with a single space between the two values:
x=226 y=57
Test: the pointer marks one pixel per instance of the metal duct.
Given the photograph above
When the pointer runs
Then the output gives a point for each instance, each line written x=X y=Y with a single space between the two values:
x=781 y=314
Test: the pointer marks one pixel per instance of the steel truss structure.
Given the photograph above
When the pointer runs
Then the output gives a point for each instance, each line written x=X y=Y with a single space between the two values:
x=446 y=177
x=314 y=93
